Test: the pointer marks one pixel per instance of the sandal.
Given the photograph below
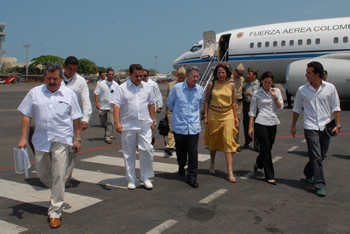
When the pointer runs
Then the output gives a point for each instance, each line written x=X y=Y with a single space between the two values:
x=212 y=168
x=230 y=177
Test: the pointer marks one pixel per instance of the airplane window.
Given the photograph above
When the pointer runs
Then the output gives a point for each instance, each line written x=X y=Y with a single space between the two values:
x=283 y=43
x=252 y=45
x=259 y=44
x=318 y=41
x=345 y=39
x=308 y=41
x=267 y=44
x=336 y=40
x=291 y=42
x=300 y=42
x=196 y=48
x=275 y=44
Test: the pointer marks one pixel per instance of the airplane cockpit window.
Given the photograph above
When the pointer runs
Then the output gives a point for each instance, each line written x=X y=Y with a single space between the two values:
x=275 y=44
x=196 y=48
x=336 y=40
x=318 y=41
x=345 y=39
x=283 y=43
x=267 y=44
x=291 y=42
x=259 y=44
x=300 y=42
x=252 y=45
x=308 y=41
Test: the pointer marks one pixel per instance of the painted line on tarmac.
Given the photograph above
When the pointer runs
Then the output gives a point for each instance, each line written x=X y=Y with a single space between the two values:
x=213 y=196
x=163 y=227
x=8 y=110
x=40 y=196
x=292 y=148
x=7 y=227
x=249 y=174
x=113 y=161
x=303 y=141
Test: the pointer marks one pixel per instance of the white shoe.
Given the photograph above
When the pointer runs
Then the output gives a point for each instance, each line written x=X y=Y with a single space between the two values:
x=131 y=186
x=148 y=184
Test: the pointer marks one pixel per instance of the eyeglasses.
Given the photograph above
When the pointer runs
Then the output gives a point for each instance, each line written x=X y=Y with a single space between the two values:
x=137 y=76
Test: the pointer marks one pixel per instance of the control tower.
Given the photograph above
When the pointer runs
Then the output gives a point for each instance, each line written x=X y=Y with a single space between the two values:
x=2 y=39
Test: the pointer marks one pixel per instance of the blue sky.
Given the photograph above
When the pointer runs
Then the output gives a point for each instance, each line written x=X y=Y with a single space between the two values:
x=118 y=33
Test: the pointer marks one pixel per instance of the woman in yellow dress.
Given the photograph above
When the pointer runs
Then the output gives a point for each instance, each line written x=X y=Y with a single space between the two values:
x=220 y=118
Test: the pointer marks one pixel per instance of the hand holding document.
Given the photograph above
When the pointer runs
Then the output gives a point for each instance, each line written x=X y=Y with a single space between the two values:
x=22 y=162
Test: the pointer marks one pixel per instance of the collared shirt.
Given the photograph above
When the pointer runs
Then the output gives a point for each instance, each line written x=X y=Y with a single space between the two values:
x=157 y=93
x=239 y=83
x=78 y=84
x=251 y=86
x=133 y=102
x=185 y=105
x=266 y=104
x=319 y=105
x=54 y=114
x=105 y=90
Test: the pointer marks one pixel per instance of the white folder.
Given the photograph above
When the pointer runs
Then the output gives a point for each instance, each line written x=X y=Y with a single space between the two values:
x=22 y=162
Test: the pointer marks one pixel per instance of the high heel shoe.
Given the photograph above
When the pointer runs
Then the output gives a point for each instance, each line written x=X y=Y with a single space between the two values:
x=256 y=168
x=230 y=177
x=273 y=182
x=212 y=168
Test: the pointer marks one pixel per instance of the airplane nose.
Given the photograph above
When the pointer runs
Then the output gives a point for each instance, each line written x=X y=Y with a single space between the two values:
x=176 y=64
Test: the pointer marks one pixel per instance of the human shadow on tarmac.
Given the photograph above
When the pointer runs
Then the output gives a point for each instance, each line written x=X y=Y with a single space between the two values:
x=20 y=209
x=342 y=156
x=300 y=153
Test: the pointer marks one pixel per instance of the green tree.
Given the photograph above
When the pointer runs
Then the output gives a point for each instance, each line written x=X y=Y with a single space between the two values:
x=46 y=59
x=87 y=67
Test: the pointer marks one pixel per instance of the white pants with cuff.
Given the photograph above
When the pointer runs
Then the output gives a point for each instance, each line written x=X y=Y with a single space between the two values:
x=142 y=138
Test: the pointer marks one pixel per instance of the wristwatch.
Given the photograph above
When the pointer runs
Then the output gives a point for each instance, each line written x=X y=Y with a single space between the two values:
x=77 y=139
x=338 y=126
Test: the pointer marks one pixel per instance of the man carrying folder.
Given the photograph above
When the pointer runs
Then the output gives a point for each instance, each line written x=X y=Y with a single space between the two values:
x=57 y=115
x=321 y=104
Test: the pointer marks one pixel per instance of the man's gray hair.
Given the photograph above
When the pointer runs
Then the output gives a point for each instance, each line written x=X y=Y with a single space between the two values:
x=191 y=68
x=52 y=67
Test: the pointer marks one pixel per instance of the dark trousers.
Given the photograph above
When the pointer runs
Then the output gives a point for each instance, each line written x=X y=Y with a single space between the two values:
x=289 y=99
x=266 y=137
x=317 y=146
x=246 y=106
x=187 y=148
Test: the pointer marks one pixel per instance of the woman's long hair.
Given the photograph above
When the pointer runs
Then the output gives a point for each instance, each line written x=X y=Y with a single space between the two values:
x=265 y=75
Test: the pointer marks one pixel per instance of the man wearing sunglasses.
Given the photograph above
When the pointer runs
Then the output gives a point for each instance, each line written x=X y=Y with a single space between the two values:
x=134 y=116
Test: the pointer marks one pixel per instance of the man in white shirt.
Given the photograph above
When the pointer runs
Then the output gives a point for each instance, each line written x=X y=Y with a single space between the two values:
x=103 y=93
x=159 y=97
x=134 y=116
x=101 y=76
x=79 y=85
x=321 y=104
x=57 y=113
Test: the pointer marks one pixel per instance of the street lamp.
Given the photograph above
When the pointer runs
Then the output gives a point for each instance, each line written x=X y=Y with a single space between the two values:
x=26 y=45
x=155 y=64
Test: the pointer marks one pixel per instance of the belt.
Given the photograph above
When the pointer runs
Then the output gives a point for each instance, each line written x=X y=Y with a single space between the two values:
x=220 y=109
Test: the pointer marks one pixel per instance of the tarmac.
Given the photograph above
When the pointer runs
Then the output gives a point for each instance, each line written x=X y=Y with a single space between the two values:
x=99 y=202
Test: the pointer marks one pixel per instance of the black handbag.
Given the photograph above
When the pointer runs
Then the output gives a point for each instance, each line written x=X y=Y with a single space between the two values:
x=163 y=126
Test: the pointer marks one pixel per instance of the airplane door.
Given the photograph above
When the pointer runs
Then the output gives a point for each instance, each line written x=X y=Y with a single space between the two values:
x=223 y=47
x=209 y=44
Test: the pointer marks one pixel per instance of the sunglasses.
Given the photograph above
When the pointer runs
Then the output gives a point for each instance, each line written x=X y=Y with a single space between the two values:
x=137 y=76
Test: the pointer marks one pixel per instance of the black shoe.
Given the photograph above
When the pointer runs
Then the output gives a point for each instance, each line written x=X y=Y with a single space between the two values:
x=182 y=171
x=193 y=183
x=67 y=184
x=256 y=168
x=273 y=182
x=239 y=149
x=246 y=145
x=168 y=153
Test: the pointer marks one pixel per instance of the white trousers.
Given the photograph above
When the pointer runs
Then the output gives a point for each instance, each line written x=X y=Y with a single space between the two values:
x=71 y=164
x=142 y=138
x=51 y=169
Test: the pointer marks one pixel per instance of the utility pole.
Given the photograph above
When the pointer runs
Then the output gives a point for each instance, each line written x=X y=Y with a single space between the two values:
x=26 y=45
x=155 y=64
x=2 y=38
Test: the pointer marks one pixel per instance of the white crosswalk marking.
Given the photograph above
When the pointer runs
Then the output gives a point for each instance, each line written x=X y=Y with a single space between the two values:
x=160 y=153
x=10 y=228
x=107 y=160
x=41 y=196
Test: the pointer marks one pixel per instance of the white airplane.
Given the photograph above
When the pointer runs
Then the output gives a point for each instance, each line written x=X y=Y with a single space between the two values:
x=282 y=48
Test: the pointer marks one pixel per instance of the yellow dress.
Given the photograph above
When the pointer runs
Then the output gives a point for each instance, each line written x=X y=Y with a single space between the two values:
x=220 y=131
